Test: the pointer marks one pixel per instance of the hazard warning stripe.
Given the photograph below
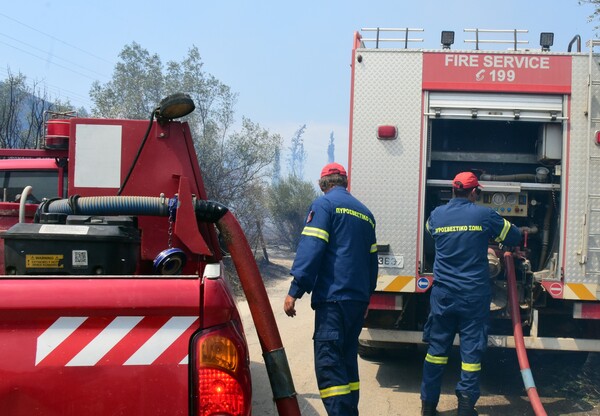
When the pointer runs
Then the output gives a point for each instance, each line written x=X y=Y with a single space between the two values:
x=400 y=283
x=134 y=340
x=55 y=335
x=105 y=341
x=160 y=341
x=122 y=340
x=583 y=291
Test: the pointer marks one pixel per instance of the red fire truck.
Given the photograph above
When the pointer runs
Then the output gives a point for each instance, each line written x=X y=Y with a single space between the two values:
x=526 y=121
x=114 y=299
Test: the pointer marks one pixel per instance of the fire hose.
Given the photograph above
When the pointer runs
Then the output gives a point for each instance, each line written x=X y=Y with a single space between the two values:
x=262 y=314
x=515 y=315
x=208 y=211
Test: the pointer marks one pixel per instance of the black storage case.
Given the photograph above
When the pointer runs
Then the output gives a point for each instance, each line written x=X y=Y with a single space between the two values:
x=73 y=245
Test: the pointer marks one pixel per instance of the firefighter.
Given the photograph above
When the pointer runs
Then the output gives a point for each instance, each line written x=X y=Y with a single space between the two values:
x=461 y=293
x=336 y=260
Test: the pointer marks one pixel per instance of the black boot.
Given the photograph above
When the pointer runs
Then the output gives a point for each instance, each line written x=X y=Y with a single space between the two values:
x=428 y=408
x=465 y=406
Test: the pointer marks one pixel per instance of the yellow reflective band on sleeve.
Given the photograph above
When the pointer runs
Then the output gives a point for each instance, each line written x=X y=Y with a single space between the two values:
x=436 y=359
x=335 y=391
x=374 y=248
x=504 y=232
x=355 y=386
x=471 y=367
x=316 y=232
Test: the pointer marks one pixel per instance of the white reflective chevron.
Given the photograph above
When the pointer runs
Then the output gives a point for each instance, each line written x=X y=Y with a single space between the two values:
x=56 y=334
x=161 y=340
x=105 y=341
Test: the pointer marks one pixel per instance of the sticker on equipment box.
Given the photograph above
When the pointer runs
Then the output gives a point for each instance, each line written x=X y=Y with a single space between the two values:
x=80 y=258
x=64 y=229
x=44 y=261
x=390 y=261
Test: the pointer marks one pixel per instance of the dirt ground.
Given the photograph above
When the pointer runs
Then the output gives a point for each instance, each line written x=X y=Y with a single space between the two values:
x=566 y=387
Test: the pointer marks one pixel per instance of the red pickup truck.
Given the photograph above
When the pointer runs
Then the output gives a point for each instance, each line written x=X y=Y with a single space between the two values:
x=114 y=300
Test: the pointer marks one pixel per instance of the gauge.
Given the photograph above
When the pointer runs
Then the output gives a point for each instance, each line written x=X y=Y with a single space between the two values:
x=511 y=199
x=498 y=199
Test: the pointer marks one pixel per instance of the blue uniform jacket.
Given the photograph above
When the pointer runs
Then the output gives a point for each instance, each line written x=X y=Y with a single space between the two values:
x=336 y=257
x=461 y=231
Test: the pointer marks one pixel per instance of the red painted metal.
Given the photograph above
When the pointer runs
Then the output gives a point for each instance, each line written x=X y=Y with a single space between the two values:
x=163 y=163
x=385 y=301
x=586 y=310
x=50 y=386
x=71 y=345
x=520 y=73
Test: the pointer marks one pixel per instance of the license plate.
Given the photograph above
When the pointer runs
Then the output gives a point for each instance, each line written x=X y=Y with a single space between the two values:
x=390 y=261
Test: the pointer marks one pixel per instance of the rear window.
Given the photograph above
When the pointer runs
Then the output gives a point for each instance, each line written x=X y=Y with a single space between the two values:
x=44 y=184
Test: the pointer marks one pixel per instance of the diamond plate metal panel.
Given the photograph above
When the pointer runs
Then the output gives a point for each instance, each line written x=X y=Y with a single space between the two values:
x=580 y=178
x=385 y=173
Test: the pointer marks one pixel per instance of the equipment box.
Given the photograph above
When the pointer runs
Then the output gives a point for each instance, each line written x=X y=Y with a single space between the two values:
x=82 y=245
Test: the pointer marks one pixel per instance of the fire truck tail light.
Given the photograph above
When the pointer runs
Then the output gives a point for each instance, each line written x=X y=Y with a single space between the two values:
x=221 y=383
x=387 y=132
x=218 y=351
x=597 y=137
x=219 y=393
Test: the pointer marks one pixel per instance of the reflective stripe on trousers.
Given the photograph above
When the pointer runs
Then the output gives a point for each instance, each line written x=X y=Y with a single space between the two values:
x=450 y=313
x=337 y=326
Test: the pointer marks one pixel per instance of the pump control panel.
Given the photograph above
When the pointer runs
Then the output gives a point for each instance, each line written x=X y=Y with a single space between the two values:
x=507 y=204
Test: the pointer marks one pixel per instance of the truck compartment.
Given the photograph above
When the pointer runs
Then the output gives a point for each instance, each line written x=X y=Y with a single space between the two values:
x=518 y=163
x=72 y=245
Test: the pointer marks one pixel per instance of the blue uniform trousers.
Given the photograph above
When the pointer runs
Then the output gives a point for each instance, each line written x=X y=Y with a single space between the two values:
x=451 y=313
x=337 y=326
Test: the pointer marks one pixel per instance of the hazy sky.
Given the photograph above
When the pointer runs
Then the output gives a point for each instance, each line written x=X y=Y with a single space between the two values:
x=288 y=61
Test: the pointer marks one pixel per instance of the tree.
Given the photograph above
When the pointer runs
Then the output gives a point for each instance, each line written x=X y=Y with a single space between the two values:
x=289 y=198
x=276 y=167
x=135 y=89
x=232 y=167
x=12 y=99
x=288 y=203
x=23 y=111
x=297 y=156
x=596 y=14
x=331 y=149
x=234 y=163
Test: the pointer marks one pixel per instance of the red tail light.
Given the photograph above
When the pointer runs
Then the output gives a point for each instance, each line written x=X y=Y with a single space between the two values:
x=220 y=373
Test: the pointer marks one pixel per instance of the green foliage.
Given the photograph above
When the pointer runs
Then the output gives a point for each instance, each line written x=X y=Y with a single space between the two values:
x=596 y=14
x=234 y=164
x=135 y=89
x=288 y=203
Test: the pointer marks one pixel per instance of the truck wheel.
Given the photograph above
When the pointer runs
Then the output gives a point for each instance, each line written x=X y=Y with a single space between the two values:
x=368 y=352
x=388 y=351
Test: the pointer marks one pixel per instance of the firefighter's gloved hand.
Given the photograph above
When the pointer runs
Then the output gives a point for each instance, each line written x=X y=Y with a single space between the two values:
x=289 y=306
